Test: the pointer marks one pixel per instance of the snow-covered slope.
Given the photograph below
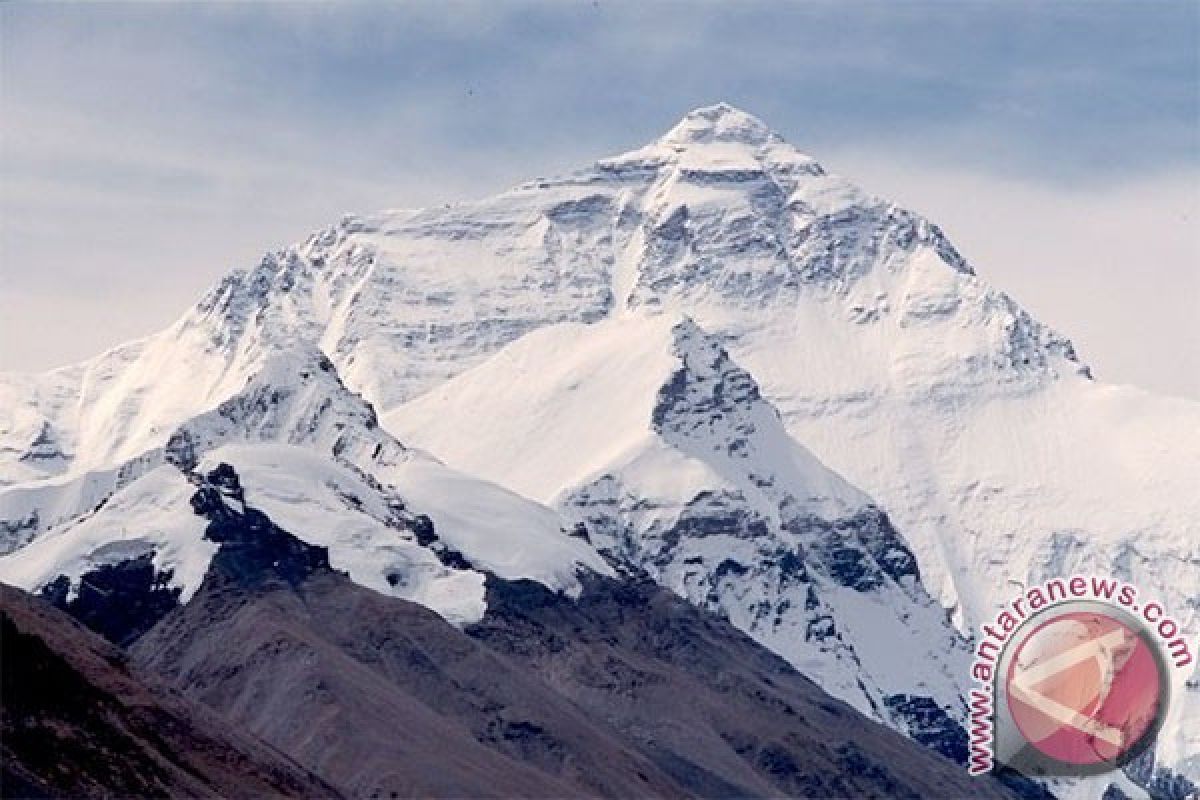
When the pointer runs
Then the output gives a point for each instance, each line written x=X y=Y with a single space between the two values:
x=151 y=516
x=644 y=431
x=977 y=428
x=311 y=455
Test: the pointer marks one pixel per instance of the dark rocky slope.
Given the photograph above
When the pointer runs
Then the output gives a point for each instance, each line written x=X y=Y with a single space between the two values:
x=78 y=721
x=633 y=693
x=382 y=697
x=708 y=705
x=628 y=692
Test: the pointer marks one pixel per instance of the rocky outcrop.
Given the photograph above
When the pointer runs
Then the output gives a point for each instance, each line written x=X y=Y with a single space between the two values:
x=120 y=601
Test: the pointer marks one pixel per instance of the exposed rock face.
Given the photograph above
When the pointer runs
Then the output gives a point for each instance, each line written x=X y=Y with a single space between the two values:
x=79 y=721
x=253 y=549
x=17 y=532
x=120 y=601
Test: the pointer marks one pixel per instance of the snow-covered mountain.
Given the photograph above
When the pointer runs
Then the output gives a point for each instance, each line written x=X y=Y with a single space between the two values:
x=995 y=454
x=647 y=434
x=312 y=456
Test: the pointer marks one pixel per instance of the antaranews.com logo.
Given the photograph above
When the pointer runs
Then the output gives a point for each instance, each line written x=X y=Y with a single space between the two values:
x=1073 y=679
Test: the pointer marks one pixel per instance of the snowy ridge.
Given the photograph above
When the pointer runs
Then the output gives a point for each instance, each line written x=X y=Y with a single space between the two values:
x=149 y=517
x=311 y=455
x=712 y=410
x=297 y=398
x=705 y=491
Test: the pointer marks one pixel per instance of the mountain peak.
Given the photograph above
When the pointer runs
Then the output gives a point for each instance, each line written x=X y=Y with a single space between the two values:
x=719 y=123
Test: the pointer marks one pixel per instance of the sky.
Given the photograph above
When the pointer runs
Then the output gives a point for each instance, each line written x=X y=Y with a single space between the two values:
x=147 y=149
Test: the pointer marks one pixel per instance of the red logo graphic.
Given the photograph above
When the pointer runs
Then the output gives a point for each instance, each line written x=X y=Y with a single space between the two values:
x=1084 y=688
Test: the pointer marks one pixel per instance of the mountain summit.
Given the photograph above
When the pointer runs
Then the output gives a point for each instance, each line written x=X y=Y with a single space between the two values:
x=546 y=322
x=718 y=212
x=720 y=123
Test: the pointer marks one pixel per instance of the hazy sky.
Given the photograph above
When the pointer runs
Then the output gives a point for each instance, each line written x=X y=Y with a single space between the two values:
x=148 y=149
